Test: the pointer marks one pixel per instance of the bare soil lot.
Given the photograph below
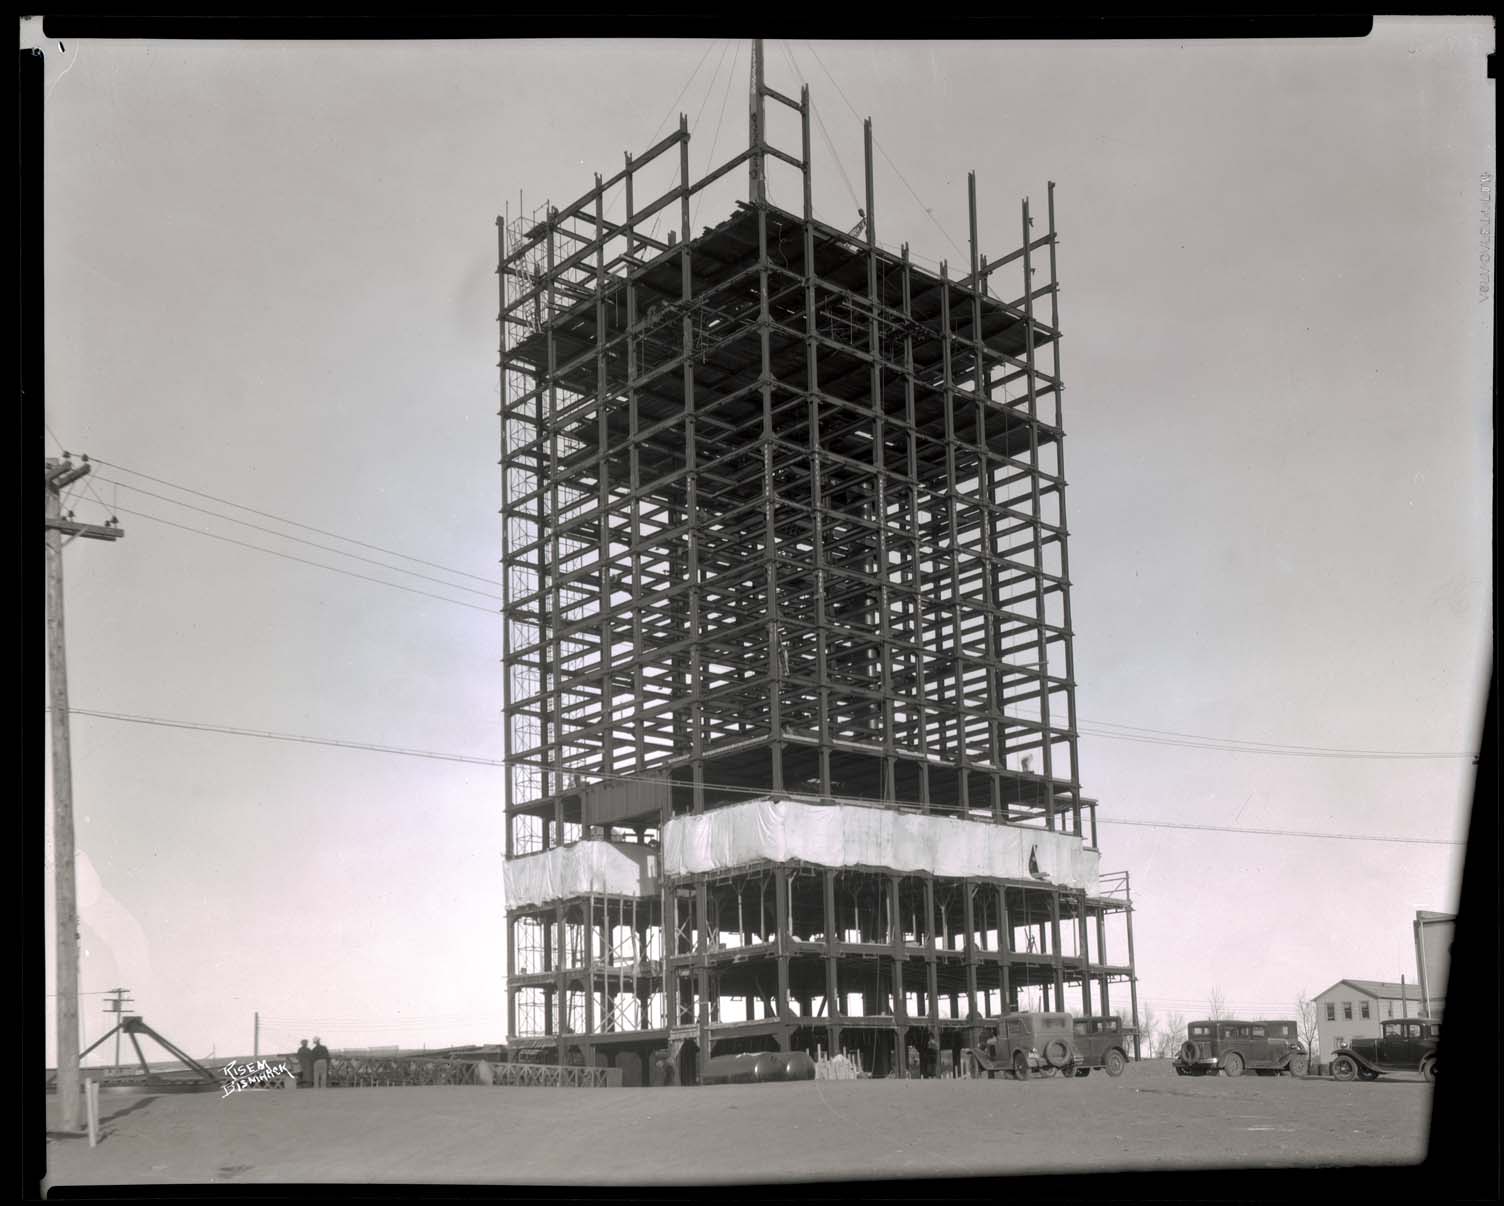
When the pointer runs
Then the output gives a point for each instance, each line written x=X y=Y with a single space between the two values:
x=812 y=1130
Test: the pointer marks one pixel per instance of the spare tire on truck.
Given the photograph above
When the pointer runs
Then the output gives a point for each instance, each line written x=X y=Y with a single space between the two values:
x=1056 y=1053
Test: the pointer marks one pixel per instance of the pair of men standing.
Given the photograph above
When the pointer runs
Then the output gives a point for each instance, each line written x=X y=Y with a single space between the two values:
x=314 y=1062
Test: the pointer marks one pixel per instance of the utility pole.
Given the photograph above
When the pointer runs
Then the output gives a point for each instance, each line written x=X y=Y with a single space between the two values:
x=756 y=130
x=256 y=1041
x=116 y=1005
x=61 y=473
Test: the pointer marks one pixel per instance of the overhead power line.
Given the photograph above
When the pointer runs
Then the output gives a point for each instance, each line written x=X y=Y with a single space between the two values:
x=396 y=569
x=372 y=747
x=293 y=522
x=334 y=569
x=1111 y=730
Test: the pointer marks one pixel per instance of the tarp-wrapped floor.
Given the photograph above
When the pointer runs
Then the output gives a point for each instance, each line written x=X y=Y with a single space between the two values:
x=828 y=835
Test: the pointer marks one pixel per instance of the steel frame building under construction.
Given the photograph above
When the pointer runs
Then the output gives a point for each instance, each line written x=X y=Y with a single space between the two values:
x=789 y=689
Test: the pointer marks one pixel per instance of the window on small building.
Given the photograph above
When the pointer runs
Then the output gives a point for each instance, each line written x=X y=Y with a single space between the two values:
x=1331 y=1011
x=1347 y=1011
x=1363 y=1008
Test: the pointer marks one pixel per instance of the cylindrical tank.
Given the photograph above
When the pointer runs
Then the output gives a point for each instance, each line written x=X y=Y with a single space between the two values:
x=797 y=1065
x=752 y=1068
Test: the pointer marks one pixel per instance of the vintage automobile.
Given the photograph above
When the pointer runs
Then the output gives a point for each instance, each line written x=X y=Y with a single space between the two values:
x=1028 y=1044
x=1403 y=1045
x=1235 y=1047
x=1101 y=1042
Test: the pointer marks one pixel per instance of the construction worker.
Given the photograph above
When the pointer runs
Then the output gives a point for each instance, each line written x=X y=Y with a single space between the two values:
x=305 y=1064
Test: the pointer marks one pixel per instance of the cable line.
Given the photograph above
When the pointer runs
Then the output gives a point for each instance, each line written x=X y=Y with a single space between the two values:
x=753 y=791
x=305 y=561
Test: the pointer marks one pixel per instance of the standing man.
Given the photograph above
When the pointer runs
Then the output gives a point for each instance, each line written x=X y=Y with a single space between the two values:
x=320 y=1064
x=305 y=1064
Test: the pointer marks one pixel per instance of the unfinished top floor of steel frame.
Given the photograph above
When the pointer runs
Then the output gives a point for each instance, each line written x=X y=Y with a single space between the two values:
x=783 y=510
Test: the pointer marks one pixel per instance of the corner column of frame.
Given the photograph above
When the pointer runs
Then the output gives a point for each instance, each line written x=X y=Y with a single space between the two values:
x=606 y=718
x=953 y=546
x=775 y=634
x=916 y=634
x=812 y=386
x=1036 y=517
x=1064 y=535
x=553 y=751
x=986 y=502
x=889 y=790
x=692 y=505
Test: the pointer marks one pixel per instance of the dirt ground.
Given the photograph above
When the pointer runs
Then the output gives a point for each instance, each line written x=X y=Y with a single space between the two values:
x=813 y=1130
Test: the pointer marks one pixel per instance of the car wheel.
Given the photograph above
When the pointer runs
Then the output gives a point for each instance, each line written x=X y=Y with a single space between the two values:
x=1057 y=1054
x=1233 y=1064
x=1344 y=1067
x=1428 y=1071
x=1114 y=1063
x=1021 y=1066
x=1299 y=1065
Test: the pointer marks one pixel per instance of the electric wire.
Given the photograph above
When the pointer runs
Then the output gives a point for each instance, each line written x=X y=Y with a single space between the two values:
x=397 y=569
x=412 y=590
x=735 y=788
x=292 y=522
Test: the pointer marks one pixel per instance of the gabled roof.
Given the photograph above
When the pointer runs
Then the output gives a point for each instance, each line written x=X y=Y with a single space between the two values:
x=1379 y=989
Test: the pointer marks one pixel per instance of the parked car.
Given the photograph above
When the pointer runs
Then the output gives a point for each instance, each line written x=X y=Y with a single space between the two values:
x=1027 y=1044
x=1235 y=1047
x=1403 y=1045
x=1100 y=1042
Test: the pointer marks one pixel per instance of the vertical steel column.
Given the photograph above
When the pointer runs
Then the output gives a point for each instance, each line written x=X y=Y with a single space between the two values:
x=952 y=494
x=817 y=503
x=1132 y=966
x=508 y=788
x=634 y=466
x=1037 y=518
x=702 y=969
x=603 y=494
x=916 y=632
x=553 y=754
x=692 y=507
x=900 y=994
x=783 y=940
x=1102 y=960
x=833 y=1005
x=561 y=981
x=931 y=971
x=968 y=914
x=511 y=971
x=986 y=501
x=775 y=669
x=1004 y=949
x=1055 y=957
x=884 y=667
x=1064 y=538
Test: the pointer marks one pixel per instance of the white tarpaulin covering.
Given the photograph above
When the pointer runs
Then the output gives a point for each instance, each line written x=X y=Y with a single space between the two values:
x=847 y=835
x=581 y=869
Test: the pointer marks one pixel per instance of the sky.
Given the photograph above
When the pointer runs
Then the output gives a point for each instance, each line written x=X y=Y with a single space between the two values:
x=270 y=279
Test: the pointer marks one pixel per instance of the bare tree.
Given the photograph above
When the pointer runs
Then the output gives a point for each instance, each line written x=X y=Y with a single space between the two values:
x=1310 y=1035
x=1171 y=1035
x=1216 y=1005
x=1147 y=1024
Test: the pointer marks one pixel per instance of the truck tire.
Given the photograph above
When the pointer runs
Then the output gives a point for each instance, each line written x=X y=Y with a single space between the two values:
x=1428 y=1070
x=1020 y=1065
x=1114 y=1063
x=1233 y=1064
x=1056 y=1053
x=1299 y=1065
